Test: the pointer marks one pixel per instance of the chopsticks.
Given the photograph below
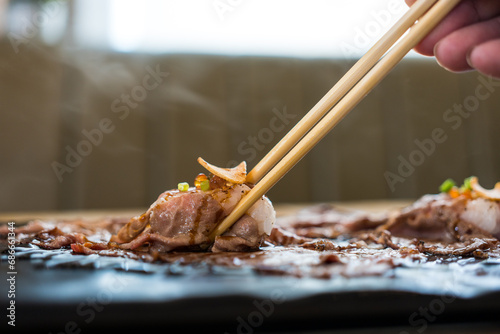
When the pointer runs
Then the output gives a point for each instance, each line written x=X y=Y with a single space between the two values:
x=356 y=72
x=421 y=18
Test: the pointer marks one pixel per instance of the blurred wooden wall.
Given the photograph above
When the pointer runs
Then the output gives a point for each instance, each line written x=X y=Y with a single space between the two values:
x=157 y=113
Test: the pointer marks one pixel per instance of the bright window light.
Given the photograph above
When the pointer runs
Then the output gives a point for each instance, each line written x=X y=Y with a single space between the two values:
x=295 y=28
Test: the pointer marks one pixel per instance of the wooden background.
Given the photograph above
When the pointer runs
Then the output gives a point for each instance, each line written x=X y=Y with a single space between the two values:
x=225 y=109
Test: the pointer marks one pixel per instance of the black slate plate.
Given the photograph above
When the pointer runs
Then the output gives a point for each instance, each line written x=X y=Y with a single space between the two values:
x=57 y=291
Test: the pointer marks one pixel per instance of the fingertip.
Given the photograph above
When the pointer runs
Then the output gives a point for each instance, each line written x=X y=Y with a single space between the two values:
x=484 y=58
x=425 y=48
x=451 y=55
x=441 y=60
x=410 y=2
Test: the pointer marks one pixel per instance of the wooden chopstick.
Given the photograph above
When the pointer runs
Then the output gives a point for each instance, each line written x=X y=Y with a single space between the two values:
x=356 y=72
x=417 y=32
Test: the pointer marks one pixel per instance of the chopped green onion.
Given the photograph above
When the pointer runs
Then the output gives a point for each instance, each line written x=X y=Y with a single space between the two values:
x=466 y=185
x=183 y=186
x=205 y=185
x=447 y=186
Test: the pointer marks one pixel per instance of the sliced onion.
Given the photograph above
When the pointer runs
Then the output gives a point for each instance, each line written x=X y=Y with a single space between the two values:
x=235 y=175
x=492 y=194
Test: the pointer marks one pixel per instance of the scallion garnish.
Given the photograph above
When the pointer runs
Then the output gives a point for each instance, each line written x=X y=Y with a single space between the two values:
x=205 y=185
x=466 y=185
x=447 y=185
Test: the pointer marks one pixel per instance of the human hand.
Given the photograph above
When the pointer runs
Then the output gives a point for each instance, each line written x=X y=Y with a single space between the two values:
x=467 y=39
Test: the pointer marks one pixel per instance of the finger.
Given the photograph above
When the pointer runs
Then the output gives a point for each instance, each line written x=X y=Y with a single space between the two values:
x=484 y=58
x=452 y=51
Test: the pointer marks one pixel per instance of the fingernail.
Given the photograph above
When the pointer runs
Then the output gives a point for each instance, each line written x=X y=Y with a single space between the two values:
x=434 y=51
x=468 y=57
